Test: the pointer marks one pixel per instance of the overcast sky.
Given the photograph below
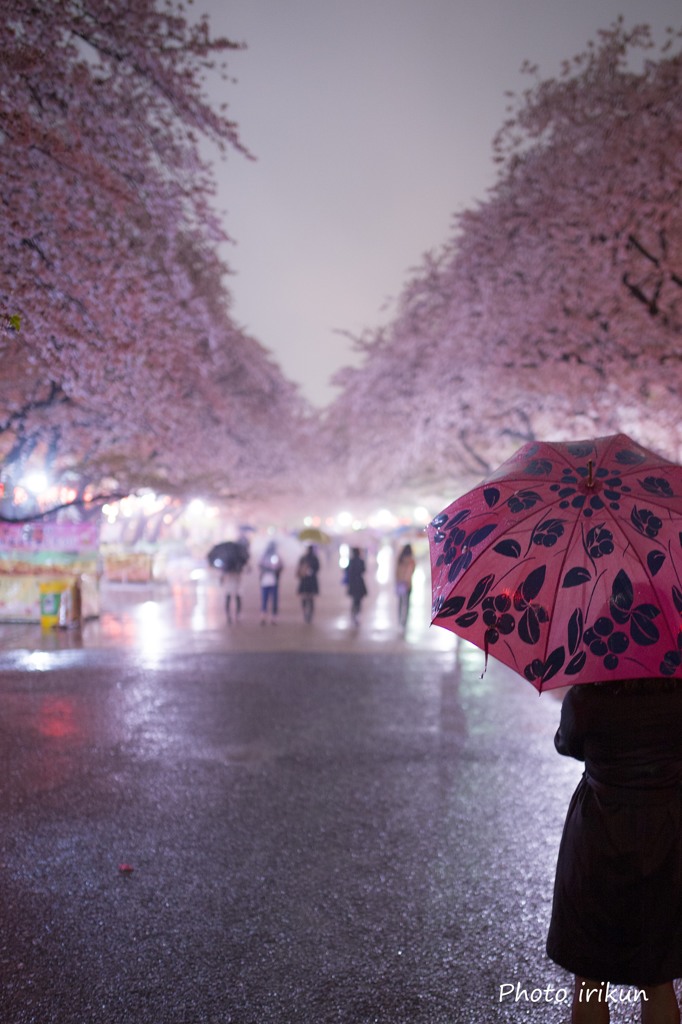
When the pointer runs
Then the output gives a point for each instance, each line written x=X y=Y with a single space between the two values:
x=372 y=123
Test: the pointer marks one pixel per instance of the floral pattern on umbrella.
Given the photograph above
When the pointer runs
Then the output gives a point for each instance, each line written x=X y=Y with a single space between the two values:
x=566 y=563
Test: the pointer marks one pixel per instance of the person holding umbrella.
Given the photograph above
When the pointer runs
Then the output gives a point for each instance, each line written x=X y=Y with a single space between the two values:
x=566 y=563
x=231 y=558
x=617 y=907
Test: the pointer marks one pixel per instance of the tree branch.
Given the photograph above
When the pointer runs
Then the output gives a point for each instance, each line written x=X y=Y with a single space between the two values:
x=99 y=499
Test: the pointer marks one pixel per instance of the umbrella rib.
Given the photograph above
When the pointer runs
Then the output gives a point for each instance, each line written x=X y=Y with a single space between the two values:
x=628 y=472
x=600 y=528
x=657 y=503
x=652 y=500
x=647 y=574
x=549 y=506
x=568 y=547
x=616 y=525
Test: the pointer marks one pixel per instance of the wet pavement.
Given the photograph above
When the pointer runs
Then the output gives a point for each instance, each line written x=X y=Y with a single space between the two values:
x=246 y=824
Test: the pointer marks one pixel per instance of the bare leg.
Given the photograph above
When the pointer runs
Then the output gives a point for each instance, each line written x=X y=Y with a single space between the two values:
x=659 y=1005
x=589 y=1002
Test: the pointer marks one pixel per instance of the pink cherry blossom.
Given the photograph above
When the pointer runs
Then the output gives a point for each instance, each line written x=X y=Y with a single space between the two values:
x=121 y=360
x=555 y=310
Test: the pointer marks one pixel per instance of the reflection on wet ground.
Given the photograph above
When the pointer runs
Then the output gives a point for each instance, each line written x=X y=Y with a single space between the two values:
x=268 y=837
x=206 y=823
x=158 y=618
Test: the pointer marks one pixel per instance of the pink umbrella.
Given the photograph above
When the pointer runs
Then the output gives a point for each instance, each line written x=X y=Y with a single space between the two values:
x=566 y=563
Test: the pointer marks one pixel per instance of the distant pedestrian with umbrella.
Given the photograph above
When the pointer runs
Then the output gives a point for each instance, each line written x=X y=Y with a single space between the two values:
x=566 y=563
x=231 y=558
x=308 y=587
x=355 y=583
x=270 y=568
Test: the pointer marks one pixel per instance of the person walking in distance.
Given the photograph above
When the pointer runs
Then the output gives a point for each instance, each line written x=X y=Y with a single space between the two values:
x=404 y=572
x=232 y=577
x=308 y=568
x=357 y=588
x=270 y=568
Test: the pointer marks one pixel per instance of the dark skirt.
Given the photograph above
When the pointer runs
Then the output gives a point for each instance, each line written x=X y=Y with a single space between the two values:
x=308 y=584
x=617 y=909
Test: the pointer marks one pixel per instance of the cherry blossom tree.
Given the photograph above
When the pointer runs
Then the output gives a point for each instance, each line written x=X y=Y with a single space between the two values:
x=555 y=310
x=120 y=355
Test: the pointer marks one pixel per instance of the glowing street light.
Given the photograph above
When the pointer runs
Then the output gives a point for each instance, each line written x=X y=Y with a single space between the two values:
x=35 y=483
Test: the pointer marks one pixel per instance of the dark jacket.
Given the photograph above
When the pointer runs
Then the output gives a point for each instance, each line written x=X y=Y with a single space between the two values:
x=617 y=909
x=356 y=577
x=308 y=568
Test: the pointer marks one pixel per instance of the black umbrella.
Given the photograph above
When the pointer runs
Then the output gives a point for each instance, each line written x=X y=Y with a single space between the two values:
x=230 y=556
